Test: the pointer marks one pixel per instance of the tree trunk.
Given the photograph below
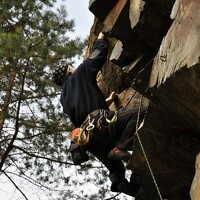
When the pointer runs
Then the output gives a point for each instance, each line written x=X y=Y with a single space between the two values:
x=4 y=109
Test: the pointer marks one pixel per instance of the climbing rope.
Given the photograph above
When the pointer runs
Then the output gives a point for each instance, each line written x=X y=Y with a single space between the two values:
x=143 y=151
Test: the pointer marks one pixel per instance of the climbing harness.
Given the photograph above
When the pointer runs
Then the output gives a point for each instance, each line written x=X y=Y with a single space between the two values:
x=82 y=135
x=143 y=150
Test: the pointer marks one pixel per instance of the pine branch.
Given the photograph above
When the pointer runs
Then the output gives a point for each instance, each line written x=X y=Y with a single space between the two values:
x=42 y=157
x=30 y=137
x=38 y=96
x=28 y=178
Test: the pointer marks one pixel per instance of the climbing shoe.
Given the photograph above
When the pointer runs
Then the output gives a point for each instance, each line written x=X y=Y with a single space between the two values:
x=114 y=187
x=117 y=154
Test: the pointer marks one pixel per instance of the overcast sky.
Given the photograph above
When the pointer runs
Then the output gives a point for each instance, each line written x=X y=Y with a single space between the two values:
x=78 y=10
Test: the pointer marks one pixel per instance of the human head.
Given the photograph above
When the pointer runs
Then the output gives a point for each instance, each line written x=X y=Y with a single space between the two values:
x=61 y=73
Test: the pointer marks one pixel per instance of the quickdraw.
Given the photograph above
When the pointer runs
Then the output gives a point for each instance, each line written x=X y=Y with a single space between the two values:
x=114 y=118
x=104 y=115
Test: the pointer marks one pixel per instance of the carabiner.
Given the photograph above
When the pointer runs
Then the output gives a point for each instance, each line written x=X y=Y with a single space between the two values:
x=90 y=125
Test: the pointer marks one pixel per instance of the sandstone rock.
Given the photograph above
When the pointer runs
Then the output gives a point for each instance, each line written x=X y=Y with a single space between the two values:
x=154 y=51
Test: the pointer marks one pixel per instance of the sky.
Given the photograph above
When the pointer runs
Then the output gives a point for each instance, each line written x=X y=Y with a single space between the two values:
x=77 y=10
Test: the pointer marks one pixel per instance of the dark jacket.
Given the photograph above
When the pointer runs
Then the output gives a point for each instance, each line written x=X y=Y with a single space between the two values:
x=80 y=92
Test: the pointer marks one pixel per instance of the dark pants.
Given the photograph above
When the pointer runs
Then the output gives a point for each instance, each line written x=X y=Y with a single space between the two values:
x=124 y=128
x=119 y=133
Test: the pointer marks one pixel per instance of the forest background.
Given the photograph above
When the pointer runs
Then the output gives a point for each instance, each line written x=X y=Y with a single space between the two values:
x=35 y=37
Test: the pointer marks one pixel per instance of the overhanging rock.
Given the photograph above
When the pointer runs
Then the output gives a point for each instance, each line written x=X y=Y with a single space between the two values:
x=156 y=46
x=101 y=8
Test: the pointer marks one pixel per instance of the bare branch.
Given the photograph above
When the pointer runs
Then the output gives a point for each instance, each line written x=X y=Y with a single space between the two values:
x=113 y=197
x=29 y=178
x=15 y=185
x=42 y=157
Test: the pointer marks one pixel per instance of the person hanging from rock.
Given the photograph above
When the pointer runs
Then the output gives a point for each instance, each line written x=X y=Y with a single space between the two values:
x=81 y=96
x=80 y=93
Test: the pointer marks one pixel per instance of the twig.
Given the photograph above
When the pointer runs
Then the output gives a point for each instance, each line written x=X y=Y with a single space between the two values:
x=42 y=157
x=15 y=185
x=113 y=197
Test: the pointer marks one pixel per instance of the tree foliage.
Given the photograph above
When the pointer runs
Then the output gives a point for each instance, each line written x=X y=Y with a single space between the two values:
x=33 y=130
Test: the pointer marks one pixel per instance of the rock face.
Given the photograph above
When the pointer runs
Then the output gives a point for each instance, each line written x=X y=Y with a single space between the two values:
x=154 y=51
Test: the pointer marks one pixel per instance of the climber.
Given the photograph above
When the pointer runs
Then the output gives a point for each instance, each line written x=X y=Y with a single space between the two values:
x=80 y=93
